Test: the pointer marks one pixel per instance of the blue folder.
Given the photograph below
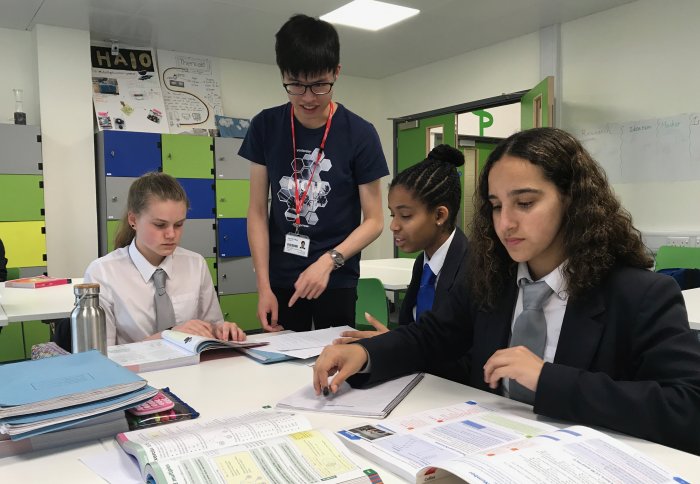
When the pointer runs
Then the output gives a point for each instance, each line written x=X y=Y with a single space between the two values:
x=61 y=381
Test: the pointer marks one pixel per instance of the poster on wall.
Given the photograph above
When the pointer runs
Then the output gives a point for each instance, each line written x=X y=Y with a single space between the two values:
x=126 y=91
x=191 y=90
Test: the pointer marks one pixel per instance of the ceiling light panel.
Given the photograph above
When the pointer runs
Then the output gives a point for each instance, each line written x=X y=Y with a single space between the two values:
x=369 y=14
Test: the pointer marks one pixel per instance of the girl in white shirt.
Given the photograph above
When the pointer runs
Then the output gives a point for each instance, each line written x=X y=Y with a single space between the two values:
x=147 y=240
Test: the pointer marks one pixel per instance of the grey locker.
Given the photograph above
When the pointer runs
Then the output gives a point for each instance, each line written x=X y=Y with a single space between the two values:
x=117 y=190
x=228 y=165
x=32 y=271
x=21 y=150
x=236 y=275
x=199 y=236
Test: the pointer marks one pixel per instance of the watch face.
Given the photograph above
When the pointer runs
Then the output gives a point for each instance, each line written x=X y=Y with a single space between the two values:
x=338 y=259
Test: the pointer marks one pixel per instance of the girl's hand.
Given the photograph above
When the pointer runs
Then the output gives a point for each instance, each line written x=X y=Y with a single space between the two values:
x=228 y=331
x=342 y=361
x=352 y=336
x=517 y=363
x=195 y=326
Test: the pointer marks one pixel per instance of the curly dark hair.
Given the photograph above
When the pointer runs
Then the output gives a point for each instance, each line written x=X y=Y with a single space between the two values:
x=435 y=181
x=597 y=232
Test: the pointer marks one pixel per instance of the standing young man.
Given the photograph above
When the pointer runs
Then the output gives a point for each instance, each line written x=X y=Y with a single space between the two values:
x=322 y=165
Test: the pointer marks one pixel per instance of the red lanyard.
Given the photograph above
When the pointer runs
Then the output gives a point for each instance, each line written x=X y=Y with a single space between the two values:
x=299 y=201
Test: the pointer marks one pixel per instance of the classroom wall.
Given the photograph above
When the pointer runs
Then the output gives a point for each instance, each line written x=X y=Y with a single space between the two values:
x=18 y=54
x=635 y=62
x=627 y=63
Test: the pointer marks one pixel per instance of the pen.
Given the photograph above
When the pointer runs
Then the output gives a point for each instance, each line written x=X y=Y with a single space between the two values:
x=326 y=391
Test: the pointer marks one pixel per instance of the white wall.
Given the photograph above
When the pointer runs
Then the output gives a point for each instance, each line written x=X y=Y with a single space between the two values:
x=637 y=61
x=18 y=54
x=65 y=88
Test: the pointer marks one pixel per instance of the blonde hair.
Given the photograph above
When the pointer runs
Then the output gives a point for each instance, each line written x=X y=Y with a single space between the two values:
x=154 y=185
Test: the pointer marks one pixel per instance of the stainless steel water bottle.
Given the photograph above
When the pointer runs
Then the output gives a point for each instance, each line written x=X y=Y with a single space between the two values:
x=87 y=320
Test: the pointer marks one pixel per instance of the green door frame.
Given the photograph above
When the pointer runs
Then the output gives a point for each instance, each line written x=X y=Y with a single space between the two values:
x=491 y=102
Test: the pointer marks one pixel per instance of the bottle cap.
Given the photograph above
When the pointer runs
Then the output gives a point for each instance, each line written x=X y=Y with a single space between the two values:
x=86 y=288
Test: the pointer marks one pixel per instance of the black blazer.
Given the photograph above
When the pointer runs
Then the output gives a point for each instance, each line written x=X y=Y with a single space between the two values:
x=3 y=263
x=626 y=358
x=454 y=269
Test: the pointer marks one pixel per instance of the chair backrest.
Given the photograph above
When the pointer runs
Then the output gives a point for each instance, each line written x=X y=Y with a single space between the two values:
x=371 y=298
x=671 y=257
x=12 y=273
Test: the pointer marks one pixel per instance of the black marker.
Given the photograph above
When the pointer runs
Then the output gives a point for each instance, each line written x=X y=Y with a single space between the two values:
x=326 y=391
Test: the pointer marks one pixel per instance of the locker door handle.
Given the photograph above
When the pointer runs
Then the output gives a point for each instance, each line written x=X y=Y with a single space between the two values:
x=223 y=276
x=114 y=199
x=225 y=237
x=112 y=153
x=170 y=156
x=222 y=199
x=222 y=158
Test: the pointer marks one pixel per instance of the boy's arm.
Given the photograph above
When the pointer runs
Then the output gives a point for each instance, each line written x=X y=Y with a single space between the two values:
x=313 y=281
x=259 y=240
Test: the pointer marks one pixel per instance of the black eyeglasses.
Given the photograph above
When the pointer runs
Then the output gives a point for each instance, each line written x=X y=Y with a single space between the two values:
x=318 y=88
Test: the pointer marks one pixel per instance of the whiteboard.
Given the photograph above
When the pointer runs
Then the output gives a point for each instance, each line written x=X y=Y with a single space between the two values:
x=651 y=150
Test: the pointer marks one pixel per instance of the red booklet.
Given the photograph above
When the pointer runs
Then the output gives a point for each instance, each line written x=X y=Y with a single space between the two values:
x=37 y=282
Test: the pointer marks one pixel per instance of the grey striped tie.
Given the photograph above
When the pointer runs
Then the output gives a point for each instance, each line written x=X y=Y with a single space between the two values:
x=165 y=315
x=530 y=330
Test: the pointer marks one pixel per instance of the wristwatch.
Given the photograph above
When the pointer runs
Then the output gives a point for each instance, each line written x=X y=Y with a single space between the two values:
x=338 y=259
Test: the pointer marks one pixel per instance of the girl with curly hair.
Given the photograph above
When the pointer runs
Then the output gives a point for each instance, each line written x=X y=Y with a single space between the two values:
x=607 y=344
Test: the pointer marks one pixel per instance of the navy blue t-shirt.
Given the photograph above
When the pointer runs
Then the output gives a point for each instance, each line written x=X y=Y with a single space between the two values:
x=331 y=210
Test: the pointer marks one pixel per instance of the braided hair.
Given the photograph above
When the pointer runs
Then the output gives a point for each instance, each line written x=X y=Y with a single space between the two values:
x=435 y=181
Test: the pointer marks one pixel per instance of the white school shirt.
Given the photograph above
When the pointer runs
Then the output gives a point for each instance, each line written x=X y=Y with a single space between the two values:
x=553 y=308
x=437 y=261
x=127 y=291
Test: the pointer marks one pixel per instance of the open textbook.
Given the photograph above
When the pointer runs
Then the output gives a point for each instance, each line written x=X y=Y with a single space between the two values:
x=172 y=350
x=259 y=446
x=470 y=443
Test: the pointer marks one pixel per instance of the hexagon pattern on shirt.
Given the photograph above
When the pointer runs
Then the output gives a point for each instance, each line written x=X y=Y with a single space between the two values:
x=317 y=197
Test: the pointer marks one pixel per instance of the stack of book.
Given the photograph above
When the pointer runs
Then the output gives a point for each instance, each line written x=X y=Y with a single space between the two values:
x=51 y=394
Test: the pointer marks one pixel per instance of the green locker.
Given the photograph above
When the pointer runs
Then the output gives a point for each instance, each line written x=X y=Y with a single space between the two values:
x=112 y=226
x=21 y=198
x=35 y=332
x=241 y=309
x=25 y=243
x=211 y=263
x=232 y=198
x=11 y=345
x=187 y=156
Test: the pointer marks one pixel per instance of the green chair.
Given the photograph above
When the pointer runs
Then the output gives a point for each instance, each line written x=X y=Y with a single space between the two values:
x=12 y=273
x=671 y=257
x=371 y=298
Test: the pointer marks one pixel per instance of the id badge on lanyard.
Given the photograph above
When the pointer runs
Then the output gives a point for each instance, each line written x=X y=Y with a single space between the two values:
x=296 y=243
